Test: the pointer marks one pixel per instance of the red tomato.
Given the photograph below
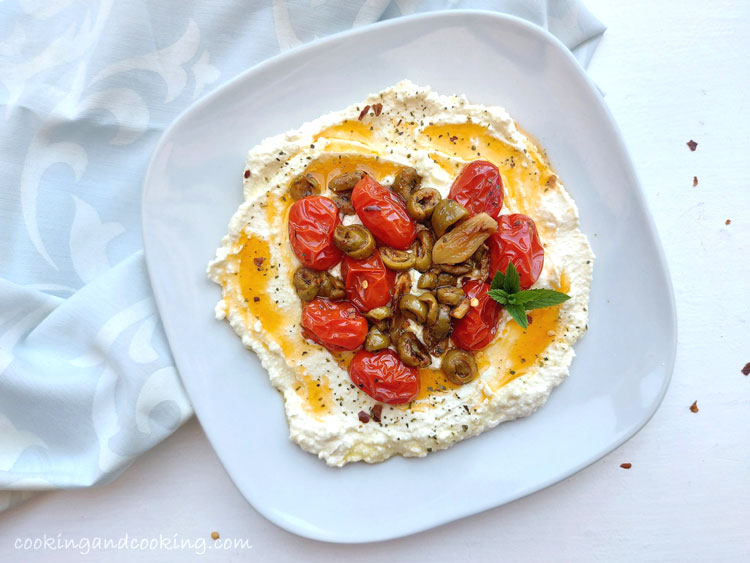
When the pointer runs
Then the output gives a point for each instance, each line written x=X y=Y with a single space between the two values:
x=478 y=187
x=369 y=283
x=334 y=324
x=312 y=221
x=384 y=213
x=384 y=377
x=479 y=325
x=516 y=239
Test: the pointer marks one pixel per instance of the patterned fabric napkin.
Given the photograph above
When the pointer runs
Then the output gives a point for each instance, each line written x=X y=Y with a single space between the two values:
x=87 y=381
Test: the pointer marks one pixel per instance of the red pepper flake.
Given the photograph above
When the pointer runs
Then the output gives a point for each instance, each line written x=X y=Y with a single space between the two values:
x=692 y=144
x=256 y=299
x=363 y=417
x=258 y=261
x=363 y=113
x=247 y=173
x=746 y=369
x=695 y=181
x=529 y=318
x=453 y=139
x=728 y=222
x=376 y=411
x=626 y=465
x=377 y=108
x=694 y=407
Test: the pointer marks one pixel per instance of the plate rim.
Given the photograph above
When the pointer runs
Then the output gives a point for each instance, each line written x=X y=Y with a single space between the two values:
x=441 y=17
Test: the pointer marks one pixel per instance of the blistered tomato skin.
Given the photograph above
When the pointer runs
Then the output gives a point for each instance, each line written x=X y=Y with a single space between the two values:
x=516 y=240
x=479 y=326
x=337 y=325
x=384 y=377
x=479 y=187
x=312 y=221
x=384 y=214
x=369 y=284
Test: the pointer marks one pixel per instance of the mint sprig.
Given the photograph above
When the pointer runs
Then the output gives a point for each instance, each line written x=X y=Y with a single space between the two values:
x=506 y=290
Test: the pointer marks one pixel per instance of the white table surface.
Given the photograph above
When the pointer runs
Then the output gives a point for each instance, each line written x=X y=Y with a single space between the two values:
x=671 y=72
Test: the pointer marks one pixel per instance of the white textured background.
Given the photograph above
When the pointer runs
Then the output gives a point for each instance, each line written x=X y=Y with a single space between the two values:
x=671 y=71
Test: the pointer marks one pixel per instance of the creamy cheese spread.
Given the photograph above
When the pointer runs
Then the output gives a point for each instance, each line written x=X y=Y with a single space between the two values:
x=405 y=125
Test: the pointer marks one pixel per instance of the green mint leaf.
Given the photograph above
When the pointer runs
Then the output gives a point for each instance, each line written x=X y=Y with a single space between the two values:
x=540 y=298
x=512 y=283
x=498 y=295
x=519 y=314
x=498 y=281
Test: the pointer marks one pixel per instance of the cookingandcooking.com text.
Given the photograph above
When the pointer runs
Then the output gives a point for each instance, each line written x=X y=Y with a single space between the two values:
x=85 y=545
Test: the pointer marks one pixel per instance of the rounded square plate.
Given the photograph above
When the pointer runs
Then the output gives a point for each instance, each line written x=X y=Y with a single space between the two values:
x=624 y=362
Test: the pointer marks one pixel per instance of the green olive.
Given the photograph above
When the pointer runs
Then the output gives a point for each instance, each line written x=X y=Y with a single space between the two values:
x=406 y=182
x=304 y=185
x=450 y=295
x=344 y=202
x=443 y=325
x=379 y=313
x=428 y=280
x=376 y=340
x=355 y=240
x=447 y=213
x=445 y=279
x=383 y=325
x=422 y=203
x=422 y=249
x=460 y=311
x=397 y=259
x=346 y=182
x=331 y=286
x=412 y=352
x=458 y=269
x=306 y=283
x=432 y=307
x=412 y=308
x=459 y=366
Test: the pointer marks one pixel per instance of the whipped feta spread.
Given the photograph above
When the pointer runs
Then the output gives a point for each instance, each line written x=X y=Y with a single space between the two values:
x=404 y=125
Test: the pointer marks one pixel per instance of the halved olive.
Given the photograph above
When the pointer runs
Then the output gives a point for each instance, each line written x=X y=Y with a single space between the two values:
x=344 y=203
x=460 y=311
x=443 y=326
x=445 y=279
x=397 y=259
x=346 y=182
x=457 y=269
x=450 y=295
x=412 y=352
x=446 y=214
x=422 y=203
x=355 y=240
x=432 y=308
x=376 y=340
x=459 y=366
x=406 y=182
x=331 y=287
x=412 y=308
x=306 y=283
x=379 y=313
x=428 y=280
x=422 y=249
x=304 y=185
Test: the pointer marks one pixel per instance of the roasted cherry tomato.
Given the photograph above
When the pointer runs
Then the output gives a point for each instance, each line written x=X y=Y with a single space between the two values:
x=478 y=187
x=337 y=325
x=312 y=221
x=516 y=240
x=384 y=377
x=384 y=213
x=478 y=327
x=368 y=282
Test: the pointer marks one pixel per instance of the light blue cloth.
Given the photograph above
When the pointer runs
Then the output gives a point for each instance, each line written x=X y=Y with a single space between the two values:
x=87 y=381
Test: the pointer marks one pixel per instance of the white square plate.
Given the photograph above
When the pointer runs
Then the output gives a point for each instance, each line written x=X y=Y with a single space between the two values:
x=624 y=362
